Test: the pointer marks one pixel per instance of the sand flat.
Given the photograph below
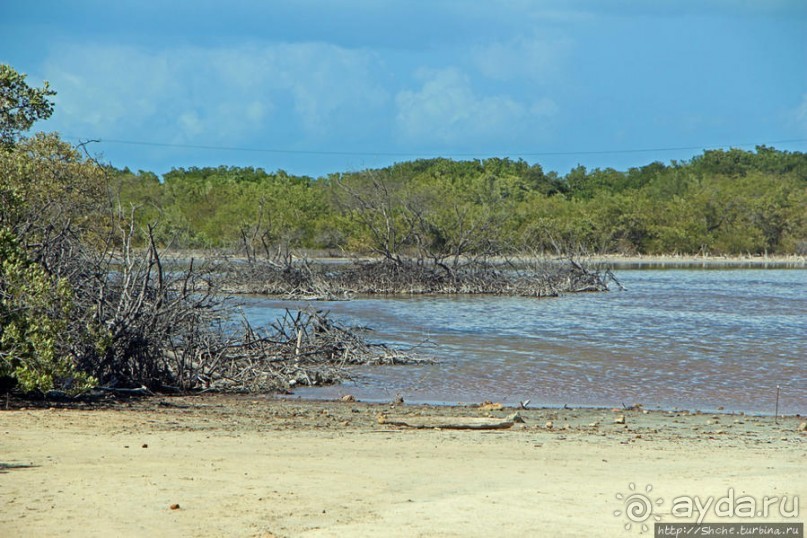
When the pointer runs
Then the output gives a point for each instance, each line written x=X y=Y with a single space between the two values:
x=260 y=467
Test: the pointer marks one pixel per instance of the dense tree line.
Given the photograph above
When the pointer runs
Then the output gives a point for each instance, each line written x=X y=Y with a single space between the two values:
x=722 y=202
x=81 y=308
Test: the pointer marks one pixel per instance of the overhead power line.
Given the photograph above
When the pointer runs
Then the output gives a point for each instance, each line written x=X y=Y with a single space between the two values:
x=449 y=154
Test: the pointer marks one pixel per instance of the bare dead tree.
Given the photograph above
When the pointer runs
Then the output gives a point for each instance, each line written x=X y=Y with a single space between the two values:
x=378 y=208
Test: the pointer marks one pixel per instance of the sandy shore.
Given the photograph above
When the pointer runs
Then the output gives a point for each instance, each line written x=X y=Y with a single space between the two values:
x=261 y=467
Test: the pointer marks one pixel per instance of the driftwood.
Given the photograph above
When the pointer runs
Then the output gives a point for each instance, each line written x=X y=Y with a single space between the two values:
x=142 y=391
x=300 y=348
x=448 y=423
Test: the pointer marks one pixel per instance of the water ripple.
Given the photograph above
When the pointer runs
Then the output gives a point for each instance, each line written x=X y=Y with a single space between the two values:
x=694 y=339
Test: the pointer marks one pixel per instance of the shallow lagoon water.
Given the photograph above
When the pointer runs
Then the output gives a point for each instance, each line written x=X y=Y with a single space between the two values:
x=688 y=339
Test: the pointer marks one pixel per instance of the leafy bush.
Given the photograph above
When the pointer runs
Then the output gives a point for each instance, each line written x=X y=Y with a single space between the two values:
x=34 y=312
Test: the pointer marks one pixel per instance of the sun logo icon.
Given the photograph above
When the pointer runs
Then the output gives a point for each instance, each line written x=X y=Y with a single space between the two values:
x=638 y=507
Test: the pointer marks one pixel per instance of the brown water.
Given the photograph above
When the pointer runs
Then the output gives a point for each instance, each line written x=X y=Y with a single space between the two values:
x=689 y=339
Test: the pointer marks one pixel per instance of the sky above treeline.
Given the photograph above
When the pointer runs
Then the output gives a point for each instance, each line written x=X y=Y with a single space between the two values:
x=320 y=86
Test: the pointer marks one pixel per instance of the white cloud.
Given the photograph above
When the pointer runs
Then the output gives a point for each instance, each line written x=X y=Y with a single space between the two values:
x=544 y=107
x=256 y=111
x=446 y=110
x=210 y=95
x=290 y=95
x=190 y=123
x=330 y=84
x=106 y=86
x=521 y=57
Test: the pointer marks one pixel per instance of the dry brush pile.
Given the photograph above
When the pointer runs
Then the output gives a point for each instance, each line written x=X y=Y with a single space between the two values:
x=300 y=348
x=82 y=310
x=324 y=280
x=138 y=328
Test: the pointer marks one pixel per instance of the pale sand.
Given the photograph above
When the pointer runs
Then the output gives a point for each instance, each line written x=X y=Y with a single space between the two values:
x=261 y=467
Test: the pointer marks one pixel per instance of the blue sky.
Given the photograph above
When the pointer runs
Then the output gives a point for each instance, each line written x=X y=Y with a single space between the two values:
x=316 y=86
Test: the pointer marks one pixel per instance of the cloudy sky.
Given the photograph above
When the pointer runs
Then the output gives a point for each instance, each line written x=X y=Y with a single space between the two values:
x=319 y=86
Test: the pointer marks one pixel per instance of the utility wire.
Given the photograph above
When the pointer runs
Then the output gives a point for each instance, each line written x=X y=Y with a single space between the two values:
x=411 y=154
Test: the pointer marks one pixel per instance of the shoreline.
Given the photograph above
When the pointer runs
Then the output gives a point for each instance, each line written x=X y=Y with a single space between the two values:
x=697 y=262
x=537 y=406
x=246 y=465
x=788 y=261
x=122 y=402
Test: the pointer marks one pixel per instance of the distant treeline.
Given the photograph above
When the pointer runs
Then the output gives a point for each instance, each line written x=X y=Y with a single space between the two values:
x=730 y=202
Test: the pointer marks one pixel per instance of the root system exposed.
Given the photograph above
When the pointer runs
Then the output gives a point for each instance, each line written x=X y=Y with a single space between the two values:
x=323 y=280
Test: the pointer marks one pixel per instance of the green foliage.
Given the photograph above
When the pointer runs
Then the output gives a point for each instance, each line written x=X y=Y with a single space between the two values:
x=438 y=209
x=46 y=191
x=34 y=312
x=721 y=202
x=57 y=189
x=20 y=104
x=225 y=207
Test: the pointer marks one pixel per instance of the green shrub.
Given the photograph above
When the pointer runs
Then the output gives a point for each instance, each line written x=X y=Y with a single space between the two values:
x=35 y=309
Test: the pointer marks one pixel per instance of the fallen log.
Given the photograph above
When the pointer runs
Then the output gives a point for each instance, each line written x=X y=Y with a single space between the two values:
x=448 y=423
x=142 y=391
